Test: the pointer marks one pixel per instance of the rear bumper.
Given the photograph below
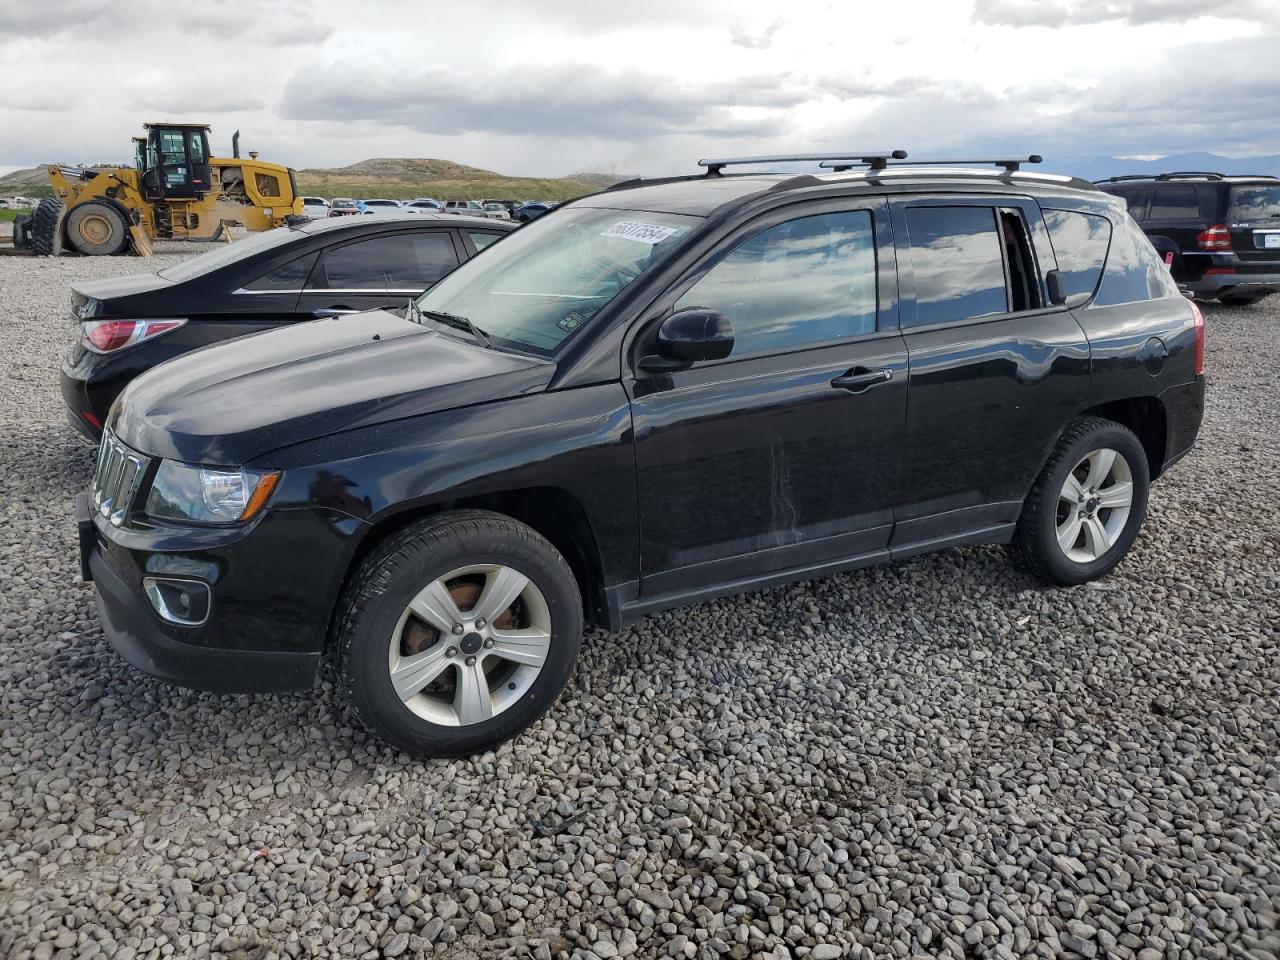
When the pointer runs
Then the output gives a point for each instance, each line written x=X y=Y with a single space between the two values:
x=1184 y=412
x=1225 y=274
x=80 y=412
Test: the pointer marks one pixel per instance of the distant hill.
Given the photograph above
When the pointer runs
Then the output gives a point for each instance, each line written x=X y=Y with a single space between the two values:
x=402 y=178
x=31 y=182
x=1099 y=168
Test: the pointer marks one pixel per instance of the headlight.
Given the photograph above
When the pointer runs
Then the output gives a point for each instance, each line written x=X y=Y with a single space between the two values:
x=182 y=491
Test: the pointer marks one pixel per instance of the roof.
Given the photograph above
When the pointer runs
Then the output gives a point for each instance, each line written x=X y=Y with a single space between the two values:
x=1195 y=176
x=701 y=195
x=351 y=222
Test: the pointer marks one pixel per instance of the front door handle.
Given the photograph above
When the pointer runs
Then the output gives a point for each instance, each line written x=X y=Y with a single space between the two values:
x=332 y=311
x=860 y=379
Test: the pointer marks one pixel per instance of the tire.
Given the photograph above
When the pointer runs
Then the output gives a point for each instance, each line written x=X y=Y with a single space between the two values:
x=1102 y=534
x=44 y=227
x=97 y=229
x=22 y=232
x=443 y=566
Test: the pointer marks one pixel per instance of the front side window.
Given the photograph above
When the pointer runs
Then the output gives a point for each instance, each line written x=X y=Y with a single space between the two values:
x=548 y=279
x=801 y=282
x=1080 y=243
x=957 y=263
x=403 y=261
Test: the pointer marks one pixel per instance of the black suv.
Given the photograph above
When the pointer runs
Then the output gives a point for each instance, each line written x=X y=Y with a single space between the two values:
x=669 y=391
x=1220 y=235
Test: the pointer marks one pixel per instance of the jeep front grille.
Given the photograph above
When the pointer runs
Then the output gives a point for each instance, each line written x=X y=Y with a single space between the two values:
x=115 y=482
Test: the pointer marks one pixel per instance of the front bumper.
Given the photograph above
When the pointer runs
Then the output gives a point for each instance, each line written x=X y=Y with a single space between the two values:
x=265 y=633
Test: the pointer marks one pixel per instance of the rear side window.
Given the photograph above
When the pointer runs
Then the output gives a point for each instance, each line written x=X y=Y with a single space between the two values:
x=801 y=282
x=1134 y=270
x=957 y=263
x=1080 y=243
x=289 y=276
x=482 y=240
x=1174 y=203
x=407 y=262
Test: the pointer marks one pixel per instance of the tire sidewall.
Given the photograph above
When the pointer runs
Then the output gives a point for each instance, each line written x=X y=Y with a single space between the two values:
x=390 y=583
x=113 y=245
x=1126 y=444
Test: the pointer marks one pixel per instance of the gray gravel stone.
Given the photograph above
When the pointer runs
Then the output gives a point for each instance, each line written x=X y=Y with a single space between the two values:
x=939 y=757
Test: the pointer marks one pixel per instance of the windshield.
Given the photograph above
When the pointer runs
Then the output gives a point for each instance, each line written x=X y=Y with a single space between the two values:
x=224 y=255
x=547 y=279
x=1255 y=202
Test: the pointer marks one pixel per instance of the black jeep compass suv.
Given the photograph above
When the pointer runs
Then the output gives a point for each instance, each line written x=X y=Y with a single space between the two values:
x=1220 y=235
x=673 y=390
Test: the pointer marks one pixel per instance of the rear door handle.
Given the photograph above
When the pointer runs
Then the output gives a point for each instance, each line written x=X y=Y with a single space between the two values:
x=860 y=379
x=332 y=311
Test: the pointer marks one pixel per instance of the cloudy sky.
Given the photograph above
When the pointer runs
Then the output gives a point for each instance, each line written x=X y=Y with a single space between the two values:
x=557 y=86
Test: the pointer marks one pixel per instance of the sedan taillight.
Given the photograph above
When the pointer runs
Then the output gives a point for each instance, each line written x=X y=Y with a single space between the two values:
x=1217 y=237
x=107 y=336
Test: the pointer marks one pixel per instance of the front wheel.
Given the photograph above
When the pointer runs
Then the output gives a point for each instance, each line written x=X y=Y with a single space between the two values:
x=458 y=633
x=1087 y=505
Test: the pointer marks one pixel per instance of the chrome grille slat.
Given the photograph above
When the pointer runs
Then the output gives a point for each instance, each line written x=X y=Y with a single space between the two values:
x=116 y=479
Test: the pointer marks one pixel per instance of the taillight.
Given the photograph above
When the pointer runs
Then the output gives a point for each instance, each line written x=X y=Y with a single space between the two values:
x=1217 y=237
x=1199 y=324
x=107 y=336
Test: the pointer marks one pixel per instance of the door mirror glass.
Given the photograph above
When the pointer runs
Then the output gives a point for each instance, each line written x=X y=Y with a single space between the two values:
x=695 y=334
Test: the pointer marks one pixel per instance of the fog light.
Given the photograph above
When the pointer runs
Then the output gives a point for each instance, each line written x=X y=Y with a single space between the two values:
x=184 y=602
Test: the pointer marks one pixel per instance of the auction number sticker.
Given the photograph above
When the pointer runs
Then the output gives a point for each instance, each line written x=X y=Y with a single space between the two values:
x=649 y=233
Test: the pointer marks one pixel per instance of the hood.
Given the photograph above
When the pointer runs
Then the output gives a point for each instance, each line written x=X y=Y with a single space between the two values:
x=232 y=402
x=94 y=298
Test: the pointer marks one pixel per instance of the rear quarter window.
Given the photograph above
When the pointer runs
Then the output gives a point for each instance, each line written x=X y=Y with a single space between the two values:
x=1080 y=242
x=1134 y=270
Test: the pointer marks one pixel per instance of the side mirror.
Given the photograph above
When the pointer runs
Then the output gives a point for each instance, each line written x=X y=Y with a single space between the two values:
x=689 y=336
x=1058 y=295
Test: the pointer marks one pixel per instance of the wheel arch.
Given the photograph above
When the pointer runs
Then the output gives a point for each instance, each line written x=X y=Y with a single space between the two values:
x=552 y=511
x=1147 y=418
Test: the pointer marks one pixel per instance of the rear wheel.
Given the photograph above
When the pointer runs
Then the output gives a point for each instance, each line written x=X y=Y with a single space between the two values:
x=22 y=232
x=44 y=227
x=1087 y=506
x=458 y=633
x=97 y=229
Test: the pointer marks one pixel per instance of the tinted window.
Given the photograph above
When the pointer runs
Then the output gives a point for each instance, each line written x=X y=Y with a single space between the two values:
x=1080 y=243
x=229 y=253
x=955 y=257
x=1255 y=203
x=1174 y=203
x=800 y=282
x=287 y=276
x=403 y=261
x=482 y=240
x=1134 y=270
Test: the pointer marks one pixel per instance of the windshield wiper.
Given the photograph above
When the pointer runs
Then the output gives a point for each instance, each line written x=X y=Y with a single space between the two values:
x=460 y=323
x=413 y=312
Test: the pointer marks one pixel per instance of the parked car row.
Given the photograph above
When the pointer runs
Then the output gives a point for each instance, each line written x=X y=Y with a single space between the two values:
x=438 y=492
x=318 y=208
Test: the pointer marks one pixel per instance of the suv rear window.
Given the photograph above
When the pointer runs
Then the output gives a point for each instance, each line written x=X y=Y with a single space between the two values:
x=1080 y=243
x=957 y=263
x=1254 y=202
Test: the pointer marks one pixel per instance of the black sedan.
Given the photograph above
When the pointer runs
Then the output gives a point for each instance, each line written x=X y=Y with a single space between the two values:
x=127 y=325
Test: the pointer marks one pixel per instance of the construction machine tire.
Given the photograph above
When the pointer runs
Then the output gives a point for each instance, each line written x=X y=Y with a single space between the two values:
x=22 y=232
x=44 y=227
x=97 y=229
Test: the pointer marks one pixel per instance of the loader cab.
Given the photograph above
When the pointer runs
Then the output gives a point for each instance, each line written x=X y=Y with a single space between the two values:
x=175 y=161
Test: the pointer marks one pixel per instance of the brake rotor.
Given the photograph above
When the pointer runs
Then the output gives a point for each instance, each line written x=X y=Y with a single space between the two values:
x=418 y=636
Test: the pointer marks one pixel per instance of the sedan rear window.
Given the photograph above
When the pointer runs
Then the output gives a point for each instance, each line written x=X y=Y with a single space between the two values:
x=1254 y=202
x=224 y=256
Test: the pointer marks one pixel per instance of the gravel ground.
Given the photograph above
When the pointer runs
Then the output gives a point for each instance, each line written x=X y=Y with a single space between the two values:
x=934 y=758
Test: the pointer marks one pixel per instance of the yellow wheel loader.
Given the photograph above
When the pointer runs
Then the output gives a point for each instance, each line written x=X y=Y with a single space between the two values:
x=174 y=191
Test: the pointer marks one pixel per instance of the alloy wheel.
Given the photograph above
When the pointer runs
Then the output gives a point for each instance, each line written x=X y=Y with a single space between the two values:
x=1094 y=505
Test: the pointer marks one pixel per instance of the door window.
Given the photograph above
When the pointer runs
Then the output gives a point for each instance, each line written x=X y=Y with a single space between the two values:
x=1080 y=244
x=288 y=276
x=1174 y=203
x=801 y=282
x=173 y=155
x=401 y=262
x=957 y=262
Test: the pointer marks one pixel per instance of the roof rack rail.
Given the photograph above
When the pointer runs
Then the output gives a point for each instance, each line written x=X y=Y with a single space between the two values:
x=876 y=159
x=1187 y=174
x=1126 y=176
x=1010 y=164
